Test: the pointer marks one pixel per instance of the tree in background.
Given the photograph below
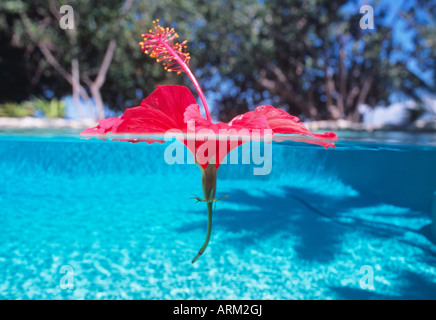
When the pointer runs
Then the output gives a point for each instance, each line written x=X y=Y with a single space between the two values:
x=310 y=57
x=105 y=34
x=37 y=23
x=23 y=69
x=422 y=19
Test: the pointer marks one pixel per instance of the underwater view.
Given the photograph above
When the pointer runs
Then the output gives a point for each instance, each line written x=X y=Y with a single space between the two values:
x=91 y=219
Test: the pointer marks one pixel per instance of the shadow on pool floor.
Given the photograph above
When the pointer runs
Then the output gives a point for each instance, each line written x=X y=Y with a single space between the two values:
x=319 y=222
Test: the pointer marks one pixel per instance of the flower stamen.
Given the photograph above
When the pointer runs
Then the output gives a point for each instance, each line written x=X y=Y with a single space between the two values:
x=160 y=44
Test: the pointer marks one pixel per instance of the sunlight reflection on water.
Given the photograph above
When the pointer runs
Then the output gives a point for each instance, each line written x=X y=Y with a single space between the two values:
x=122 y=219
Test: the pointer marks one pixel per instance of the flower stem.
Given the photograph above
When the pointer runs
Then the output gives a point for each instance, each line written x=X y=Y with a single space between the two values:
x=208 y=181
x=209 y=230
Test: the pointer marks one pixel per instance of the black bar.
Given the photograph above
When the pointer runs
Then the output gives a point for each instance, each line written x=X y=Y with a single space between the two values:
x=212 y=309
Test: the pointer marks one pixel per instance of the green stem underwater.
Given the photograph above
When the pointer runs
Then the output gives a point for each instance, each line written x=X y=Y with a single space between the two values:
x=209 y=230
x=208 y=181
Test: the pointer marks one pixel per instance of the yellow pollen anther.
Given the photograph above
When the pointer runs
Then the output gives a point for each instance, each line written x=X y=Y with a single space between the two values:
x=160 y=44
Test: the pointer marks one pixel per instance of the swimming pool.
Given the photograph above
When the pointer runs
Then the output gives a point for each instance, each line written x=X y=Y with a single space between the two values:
x=90 y=219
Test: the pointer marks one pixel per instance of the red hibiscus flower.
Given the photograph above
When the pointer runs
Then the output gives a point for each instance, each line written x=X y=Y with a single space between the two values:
x=174 y=109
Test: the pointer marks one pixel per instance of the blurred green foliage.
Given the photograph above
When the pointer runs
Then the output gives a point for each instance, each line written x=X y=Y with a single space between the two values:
x=49 y=108
x=310 y=57
x=17 y=110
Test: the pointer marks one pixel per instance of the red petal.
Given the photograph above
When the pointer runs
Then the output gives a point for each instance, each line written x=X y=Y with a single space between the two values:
x=161 y=111
x=104 y=126
x=149 y=141
x=282 y=122
x=172 y=101
x=239 y=123
x=321 y=142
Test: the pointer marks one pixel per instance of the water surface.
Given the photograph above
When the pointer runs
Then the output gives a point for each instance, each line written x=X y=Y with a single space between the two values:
x=123 y=220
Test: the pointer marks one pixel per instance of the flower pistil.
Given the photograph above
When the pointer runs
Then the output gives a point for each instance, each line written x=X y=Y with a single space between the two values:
x=160 y=43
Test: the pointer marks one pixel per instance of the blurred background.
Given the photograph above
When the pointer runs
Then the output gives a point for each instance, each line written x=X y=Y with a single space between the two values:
x=312 y=58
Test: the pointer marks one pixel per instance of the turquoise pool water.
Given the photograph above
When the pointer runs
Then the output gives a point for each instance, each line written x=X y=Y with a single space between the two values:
x=114 y=221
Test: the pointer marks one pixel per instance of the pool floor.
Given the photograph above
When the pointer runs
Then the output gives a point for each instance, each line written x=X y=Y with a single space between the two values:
x=111 y=220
